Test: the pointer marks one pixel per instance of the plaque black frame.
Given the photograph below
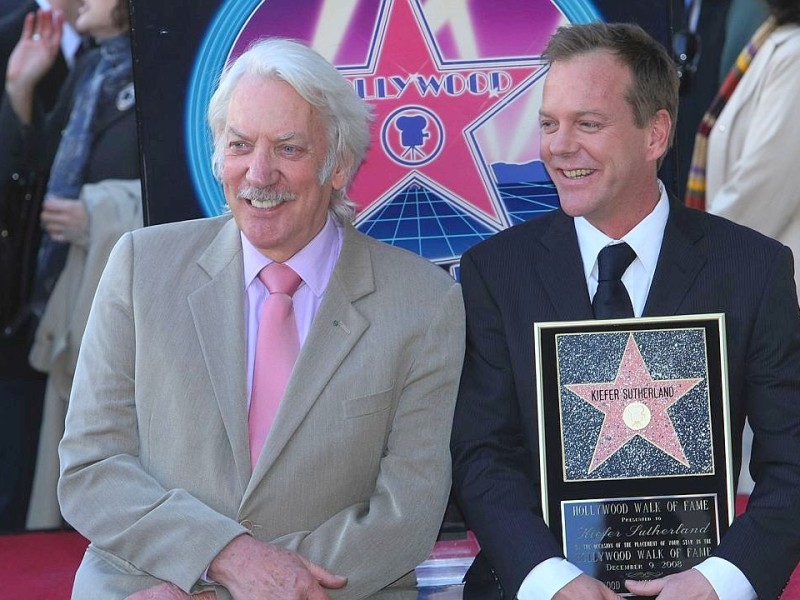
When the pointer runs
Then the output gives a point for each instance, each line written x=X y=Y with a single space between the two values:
x=567 y=503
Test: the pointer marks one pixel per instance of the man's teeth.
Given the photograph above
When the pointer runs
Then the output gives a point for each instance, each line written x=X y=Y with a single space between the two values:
x=270 y=203
x=577 y=173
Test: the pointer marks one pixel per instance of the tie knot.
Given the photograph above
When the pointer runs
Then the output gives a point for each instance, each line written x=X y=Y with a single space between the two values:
x=280 y=279
x=613 y=260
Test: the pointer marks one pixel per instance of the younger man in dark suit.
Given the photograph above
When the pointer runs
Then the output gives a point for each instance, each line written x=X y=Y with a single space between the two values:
x=607 y=118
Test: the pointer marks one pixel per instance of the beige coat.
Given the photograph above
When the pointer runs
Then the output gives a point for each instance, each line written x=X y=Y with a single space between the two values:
x=355 y=474
x=753 y=147
x=113 y=207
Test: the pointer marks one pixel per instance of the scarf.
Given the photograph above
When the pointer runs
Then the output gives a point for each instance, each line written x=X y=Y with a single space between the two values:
x=99 y=86
x=696 y=186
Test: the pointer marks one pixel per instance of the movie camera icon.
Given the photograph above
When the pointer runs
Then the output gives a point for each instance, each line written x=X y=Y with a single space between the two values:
x=412 y=136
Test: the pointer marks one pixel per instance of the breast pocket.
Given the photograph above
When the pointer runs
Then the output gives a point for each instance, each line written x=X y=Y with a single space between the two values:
x=368 y=405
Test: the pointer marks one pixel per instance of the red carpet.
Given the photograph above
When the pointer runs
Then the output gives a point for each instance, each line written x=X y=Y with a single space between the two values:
x=41 y=566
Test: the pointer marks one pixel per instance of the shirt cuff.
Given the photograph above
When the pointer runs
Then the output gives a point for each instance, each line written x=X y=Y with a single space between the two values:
x=726 y=579
x=546 y=578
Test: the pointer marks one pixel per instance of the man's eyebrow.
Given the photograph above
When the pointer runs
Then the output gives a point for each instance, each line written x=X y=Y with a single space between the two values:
x=578 y=114
x=590 y=113
x=281 y=138
x=236 y=132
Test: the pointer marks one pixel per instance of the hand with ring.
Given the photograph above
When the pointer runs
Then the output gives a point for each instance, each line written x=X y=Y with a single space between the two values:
x=35 y=52
x=65 y=219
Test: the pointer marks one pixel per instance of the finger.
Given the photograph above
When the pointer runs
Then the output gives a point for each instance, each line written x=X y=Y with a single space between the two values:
x=57 y=215
x=44 y=24
x=645 y=588
x=55 y=202
x=58 y=20
x=54 y=229
x=57 y=233
x=53 y=217
x=324 y=577
x=27 y=27
x=58 y=24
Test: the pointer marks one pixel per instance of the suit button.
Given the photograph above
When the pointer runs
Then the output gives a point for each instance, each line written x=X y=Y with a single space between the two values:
x=247 y=524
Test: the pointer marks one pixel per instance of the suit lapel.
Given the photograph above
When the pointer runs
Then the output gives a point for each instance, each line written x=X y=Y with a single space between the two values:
x=561 y=270
x=217 y=309
x=679 y=263
x=337 y=327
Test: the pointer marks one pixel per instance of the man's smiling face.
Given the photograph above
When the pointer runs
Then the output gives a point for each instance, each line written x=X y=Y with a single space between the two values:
x=602 y=164
x=275 y=149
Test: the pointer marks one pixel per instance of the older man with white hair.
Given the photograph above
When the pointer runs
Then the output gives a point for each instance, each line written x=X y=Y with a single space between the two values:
x=262 y=401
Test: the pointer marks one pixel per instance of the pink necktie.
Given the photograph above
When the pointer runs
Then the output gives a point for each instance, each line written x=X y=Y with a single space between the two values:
x=277 y=348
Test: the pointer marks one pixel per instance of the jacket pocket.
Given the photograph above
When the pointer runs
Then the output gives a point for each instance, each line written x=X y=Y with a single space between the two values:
x=367 y=405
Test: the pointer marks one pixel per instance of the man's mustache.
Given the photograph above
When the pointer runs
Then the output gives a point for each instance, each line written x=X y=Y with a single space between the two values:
x=261 y=195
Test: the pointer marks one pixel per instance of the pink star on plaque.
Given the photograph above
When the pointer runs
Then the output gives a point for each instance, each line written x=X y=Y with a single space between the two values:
x=635 y=404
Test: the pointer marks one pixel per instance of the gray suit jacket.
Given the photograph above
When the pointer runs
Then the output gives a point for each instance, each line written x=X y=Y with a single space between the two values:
x=355 y=474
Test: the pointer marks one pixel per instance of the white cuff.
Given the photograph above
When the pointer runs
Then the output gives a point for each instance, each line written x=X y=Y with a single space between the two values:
x=726 y=579
x=546 y=578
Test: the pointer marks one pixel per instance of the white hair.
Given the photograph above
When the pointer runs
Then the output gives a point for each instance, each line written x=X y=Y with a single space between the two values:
x=346 y=115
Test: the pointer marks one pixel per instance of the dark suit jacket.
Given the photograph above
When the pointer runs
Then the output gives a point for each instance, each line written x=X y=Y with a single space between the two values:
x=533 y=272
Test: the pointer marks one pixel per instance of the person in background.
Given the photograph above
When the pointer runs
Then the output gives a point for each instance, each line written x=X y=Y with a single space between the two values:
x=699 y=32
x=260 y=399
x=745 y=146
x=89 y=139
x=22 y=387
x=714 y=32
x=746 y=142
x=607 y=118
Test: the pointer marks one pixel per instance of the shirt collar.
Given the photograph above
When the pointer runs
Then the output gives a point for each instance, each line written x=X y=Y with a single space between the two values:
x=313 y=262
x=645 y=238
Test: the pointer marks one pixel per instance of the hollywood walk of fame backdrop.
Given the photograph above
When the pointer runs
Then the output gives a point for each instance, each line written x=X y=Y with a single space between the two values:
x=634 y=442
x=455 y=86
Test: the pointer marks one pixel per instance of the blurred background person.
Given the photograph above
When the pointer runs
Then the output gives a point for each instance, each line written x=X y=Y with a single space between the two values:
x=698 y=38
x=93 y=196
x=745 y=149
x=746 y=145
x=22 y=387
x=708 y=35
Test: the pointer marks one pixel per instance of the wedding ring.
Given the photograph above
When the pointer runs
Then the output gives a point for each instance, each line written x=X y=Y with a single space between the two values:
x=36 y=37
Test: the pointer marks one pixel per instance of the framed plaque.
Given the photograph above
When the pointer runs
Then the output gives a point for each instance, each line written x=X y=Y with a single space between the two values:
x=635 y=447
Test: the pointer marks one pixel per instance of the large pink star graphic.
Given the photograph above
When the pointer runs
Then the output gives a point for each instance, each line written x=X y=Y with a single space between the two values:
x=635 y=404
x=423 y=113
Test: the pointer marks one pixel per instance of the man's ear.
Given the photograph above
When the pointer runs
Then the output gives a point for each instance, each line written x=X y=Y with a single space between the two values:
x=658 y=139
x=340 y=176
